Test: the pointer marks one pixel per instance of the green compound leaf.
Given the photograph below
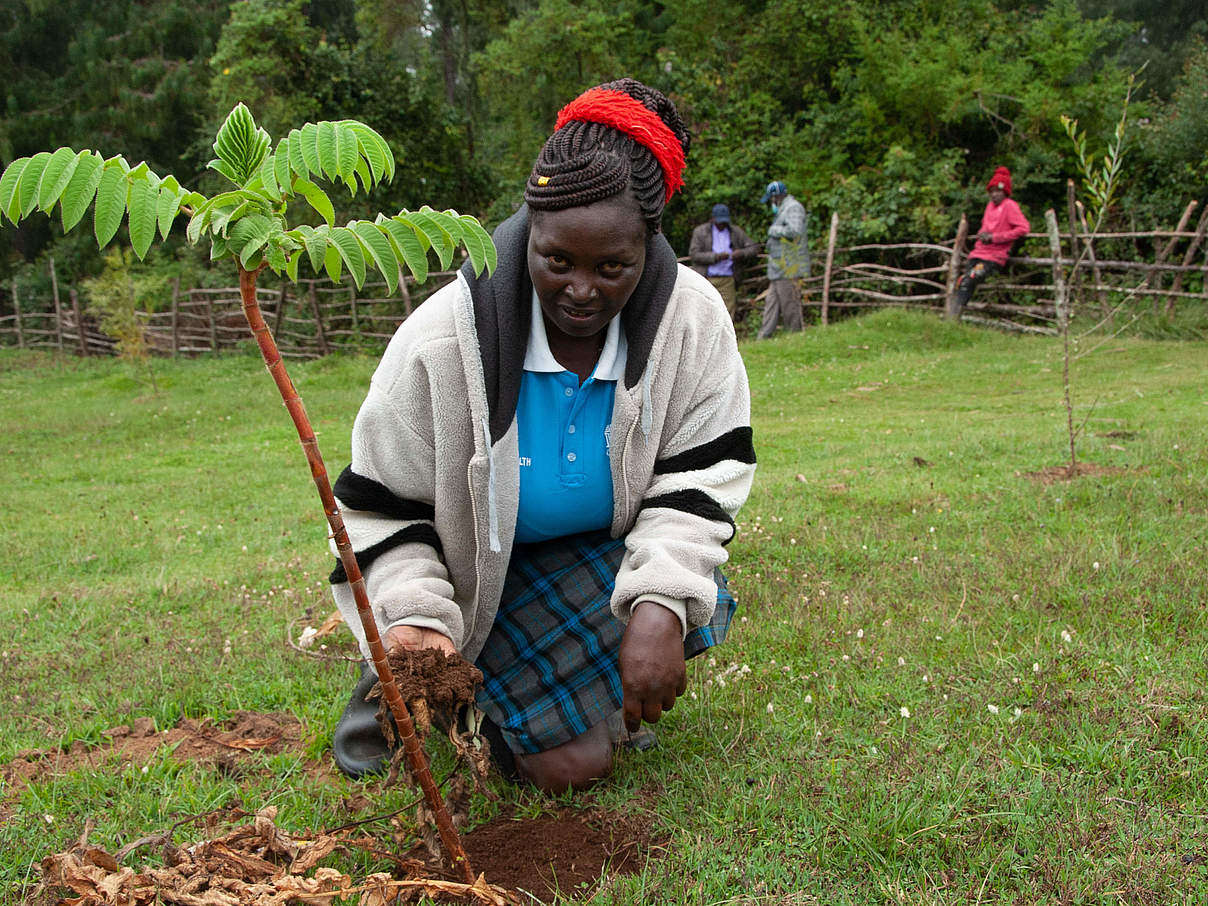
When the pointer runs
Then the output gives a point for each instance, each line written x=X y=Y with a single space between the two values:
x=268 y=178
x=281 y=167
x=351 y=251
x=429 y=223
x=308 y=142
x=297 y=162
x=408 y=247
x=315 y=243
x=80 y=191
x=380 y=249
x=241 y=145
x=143 y=201
x=375 y=150
x=10 y=198
x=329 y=152
x=27 y=188
x=248 y=236
x=478 y=244
x=317 y=198
x=55 y=176
x=111 y=197
x=332 y=264
x=347 y=154
x=168 y=204
x=291 y=267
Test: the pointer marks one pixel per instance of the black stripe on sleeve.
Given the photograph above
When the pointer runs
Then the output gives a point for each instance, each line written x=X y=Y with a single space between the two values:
x=360 y=493
x=736 y=444
x=695 y=502
x=423 y=534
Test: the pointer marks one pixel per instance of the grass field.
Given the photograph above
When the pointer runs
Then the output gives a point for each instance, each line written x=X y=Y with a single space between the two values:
x=949 y=682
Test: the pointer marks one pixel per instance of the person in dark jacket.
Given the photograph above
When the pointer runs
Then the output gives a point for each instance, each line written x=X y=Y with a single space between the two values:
x=717 y=251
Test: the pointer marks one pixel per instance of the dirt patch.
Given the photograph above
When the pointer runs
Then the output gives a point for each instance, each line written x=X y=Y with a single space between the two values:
x=567 y=852
x=1054 y=474
x=202 y=740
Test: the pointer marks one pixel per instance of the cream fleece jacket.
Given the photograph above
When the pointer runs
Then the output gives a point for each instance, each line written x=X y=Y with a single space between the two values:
x=430 y=498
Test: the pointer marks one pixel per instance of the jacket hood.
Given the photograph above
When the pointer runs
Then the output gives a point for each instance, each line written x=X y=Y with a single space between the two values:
x=502 y=312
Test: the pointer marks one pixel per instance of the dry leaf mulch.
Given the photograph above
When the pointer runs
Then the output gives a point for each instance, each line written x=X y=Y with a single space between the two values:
x=256 y=864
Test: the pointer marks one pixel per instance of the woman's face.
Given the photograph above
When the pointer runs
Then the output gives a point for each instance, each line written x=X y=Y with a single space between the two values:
x=585 y=263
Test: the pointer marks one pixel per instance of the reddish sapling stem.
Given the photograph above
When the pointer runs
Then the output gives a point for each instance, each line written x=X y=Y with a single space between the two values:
x=416 y=758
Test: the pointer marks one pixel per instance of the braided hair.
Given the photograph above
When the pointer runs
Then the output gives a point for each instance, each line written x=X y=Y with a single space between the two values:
x=586 y=161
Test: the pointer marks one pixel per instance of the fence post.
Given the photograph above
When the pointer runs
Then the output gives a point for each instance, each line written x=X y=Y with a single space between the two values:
x=17 y=313
x=1200 y=229
x=951 y=312
x=54 y=288
x=1165 y=253
x=830 y=259
x=352 y=307
x=79 y=320
x=280 y=311
x=213 y=323
x=406 y=293
x=314 y=307
x=1059 y=292
x=176 y=316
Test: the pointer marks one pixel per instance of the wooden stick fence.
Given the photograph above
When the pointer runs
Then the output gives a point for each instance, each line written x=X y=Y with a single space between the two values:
x=310 y=319
x=314 y=317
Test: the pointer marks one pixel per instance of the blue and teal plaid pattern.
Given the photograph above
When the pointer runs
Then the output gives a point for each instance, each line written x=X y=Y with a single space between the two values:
x=550 y=663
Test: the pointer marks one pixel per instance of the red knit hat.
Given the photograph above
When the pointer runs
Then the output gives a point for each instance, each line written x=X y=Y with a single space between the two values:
x=1001 y=179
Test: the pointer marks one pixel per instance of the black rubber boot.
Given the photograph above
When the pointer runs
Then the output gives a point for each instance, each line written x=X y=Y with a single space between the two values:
x=359 y=746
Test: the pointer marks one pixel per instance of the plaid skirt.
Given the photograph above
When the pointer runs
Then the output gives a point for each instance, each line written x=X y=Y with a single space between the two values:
x=549 y=665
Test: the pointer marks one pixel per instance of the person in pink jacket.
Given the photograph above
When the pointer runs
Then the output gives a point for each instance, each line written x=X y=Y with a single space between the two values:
x=1002 y=224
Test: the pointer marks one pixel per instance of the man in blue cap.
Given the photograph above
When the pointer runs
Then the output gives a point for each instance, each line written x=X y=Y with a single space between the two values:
x=788 y=260
x=717 y=250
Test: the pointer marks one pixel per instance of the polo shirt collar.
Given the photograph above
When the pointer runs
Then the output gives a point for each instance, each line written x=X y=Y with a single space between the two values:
x=537 y=357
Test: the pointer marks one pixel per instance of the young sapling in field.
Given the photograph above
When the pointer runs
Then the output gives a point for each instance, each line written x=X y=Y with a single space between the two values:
x=248 y=224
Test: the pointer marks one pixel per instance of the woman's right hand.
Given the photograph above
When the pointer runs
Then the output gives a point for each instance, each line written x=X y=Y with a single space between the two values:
x=413 y=638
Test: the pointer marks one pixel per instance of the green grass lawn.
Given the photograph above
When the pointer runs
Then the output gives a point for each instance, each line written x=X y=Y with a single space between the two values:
x=948 y=682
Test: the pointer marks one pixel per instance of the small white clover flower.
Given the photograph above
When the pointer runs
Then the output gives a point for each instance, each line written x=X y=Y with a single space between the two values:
x=1066 y=637
x=904 y=711
x=809 y=699
x=993 y=709
x=859 y=633
x=901 y=662
x=1095 y=565
x=770 y=708
x=1035 y=667
x=50 y=819
x=1017 y=712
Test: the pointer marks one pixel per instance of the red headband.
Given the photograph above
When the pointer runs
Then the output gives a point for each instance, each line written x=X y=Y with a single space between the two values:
x=629 y=115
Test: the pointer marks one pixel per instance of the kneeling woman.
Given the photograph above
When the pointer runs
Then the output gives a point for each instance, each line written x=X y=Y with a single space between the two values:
x=546 y=470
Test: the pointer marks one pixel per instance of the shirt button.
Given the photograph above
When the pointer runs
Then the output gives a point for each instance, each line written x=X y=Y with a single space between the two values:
x=570 y=457
x=570 y=430
x=570 y=391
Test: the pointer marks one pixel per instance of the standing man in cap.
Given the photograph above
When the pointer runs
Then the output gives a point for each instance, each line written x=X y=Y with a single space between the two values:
x=1002 y=224
x=717 y=251
x=788 y=260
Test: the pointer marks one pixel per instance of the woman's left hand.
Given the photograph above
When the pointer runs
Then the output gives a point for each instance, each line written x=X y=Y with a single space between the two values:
x=652 y=664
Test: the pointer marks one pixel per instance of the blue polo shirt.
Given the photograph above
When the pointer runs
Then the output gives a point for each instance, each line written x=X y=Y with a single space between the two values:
x=564 y=427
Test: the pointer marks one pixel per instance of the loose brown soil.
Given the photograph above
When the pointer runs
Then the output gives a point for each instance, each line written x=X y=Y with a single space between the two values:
x=563 y=851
